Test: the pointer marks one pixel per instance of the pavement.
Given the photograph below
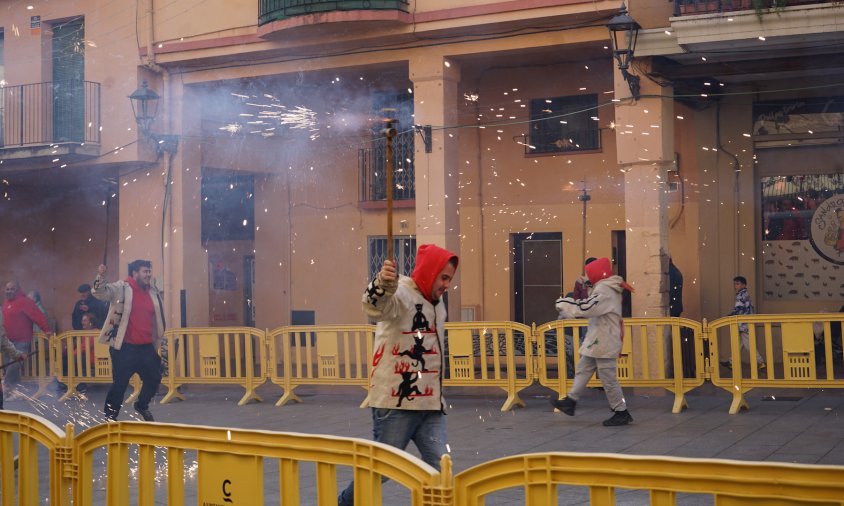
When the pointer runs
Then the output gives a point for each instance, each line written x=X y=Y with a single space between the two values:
x=800 y=426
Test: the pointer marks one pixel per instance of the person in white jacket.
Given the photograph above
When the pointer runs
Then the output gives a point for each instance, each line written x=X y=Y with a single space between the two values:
x=405 y=380
x=133 y=330
x=602 y=343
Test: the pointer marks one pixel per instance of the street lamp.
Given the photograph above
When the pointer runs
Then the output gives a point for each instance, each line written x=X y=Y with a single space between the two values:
x=145 y=107
x=624 y=30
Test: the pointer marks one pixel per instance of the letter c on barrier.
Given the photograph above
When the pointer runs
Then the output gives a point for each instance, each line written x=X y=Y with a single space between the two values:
x=227 y=495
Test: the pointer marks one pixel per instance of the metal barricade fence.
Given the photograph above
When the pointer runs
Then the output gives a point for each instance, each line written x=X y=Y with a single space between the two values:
x=31 y=433
x=660 y=479
x=644 y=338
x=39 y=366
x=490 y=354
x=154 y=463
x=797 y=351
x=229 y=466
x=319 y=355
x=215 y=356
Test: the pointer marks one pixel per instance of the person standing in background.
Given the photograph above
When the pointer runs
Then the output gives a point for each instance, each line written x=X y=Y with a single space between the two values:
x=19 y=315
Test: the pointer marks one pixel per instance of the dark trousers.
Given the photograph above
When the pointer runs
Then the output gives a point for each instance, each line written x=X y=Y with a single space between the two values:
x=128 y=360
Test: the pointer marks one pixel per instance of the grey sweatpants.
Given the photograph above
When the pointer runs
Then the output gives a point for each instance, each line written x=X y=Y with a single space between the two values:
x=606 y=368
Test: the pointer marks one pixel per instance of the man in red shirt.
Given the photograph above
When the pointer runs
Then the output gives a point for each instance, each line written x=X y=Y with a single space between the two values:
x=19 y=315
x=133 y=330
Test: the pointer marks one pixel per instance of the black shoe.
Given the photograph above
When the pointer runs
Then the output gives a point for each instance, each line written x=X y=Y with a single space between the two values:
x=565 y=405
x=618 y=418
x=726 y=363
x=145 y=413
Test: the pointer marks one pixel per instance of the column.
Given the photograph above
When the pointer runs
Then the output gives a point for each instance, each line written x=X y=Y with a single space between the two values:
x=645 y=150
x=435 y=81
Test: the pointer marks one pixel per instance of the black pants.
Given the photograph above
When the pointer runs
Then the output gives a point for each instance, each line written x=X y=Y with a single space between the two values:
x=128 y=360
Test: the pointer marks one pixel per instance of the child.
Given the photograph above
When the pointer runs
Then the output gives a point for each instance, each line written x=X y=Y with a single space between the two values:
x=602 y=343
x=743 y=306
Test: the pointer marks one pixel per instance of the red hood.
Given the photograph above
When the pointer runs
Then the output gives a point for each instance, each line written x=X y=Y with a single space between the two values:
x=598 y=269
x=430 y=261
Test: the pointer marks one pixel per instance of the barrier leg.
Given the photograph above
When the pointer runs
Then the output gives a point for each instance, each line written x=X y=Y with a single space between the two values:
x=679 y=403
x=288 y=396
x=738 y=402
x=365 y=403
x=248 y=396
x=513 y=399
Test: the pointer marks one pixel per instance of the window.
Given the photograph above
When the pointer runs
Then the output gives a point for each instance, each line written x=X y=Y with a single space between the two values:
x=404 y=249
x=564 y=124
x=373 y=160
x=228 y=210
x=802 y=236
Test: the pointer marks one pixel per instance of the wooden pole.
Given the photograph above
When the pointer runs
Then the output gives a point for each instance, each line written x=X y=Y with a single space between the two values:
x=389 y=133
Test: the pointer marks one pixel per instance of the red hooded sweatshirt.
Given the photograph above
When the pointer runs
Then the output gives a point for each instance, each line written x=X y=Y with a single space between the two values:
x=430 y=261
x=19 y=314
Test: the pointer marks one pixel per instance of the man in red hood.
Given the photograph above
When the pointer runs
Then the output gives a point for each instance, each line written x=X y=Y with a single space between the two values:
x=602 y=344
x=20 y=313
x=405 y=381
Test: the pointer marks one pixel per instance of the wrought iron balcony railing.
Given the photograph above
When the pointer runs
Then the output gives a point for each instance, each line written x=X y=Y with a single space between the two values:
x=277 y=10
x=50 y=113
x=691 y=7
x=373 y=176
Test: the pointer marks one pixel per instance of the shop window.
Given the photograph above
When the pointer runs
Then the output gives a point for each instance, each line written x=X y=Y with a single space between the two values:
x=564 y=124
x=803 y=236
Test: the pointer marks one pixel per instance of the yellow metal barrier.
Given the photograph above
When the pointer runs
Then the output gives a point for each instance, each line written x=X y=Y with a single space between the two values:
x=730 y=483
x=787 y=344
x=31 y=431
x=483 y=354
x=144 y=462
x=230 y=465
x=214 y=356
x=39 y=367
x=319 y=355
x=644 y=360
x=77 y=357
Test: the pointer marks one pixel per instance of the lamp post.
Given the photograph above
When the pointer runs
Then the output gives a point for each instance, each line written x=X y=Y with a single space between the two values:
x=585 y=198
x=145 y=107
x=624 y=31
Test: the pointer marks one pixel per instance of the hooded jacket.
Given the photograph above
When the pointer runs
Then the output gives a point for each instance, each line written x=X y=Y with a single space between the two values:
x=406 y=370
x=19 y=314
x=602 y=308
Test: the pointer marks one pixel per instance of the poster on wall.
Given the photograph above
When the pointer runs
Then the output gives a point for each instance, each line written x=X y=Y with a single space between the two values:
x=803 y=237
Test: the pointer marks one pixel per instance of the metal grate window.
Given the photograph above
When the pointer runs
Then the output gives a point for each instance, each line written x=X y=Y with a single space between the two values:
x=404 y=249
x=564 y=124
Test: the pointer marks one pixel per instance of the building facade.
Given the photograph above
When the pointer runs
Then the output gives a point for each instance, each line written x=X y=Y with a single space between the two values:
x=259 y=188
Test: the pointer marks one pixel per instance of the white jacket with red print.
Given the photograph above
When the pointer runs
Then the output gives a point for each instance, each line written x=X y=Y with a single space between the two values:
x=406 y=370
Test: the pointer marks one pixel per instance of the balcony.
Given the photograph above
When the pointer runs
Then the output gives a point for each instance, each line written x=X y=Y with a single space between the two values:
x=280 y=10
x=373 y=178
x=693 y=7
x=47 y=119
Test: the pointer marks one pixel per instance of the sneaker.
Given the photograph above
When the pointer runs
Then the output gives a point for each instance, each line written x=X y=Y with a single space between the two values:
x=566 y=405
x=618 y=418
x=726 y=363
x=762 y=366
x=145 y=413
